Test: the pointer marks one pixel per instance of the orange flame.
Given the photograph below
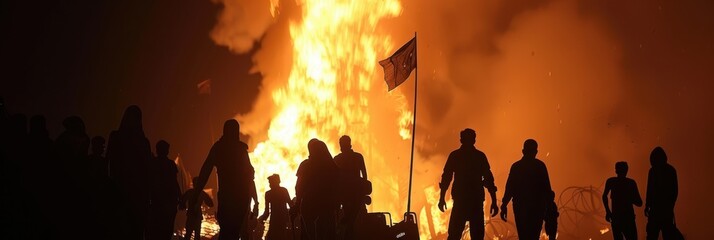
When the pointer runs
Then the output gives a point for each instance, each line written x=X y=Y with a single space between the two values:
x=333 y=89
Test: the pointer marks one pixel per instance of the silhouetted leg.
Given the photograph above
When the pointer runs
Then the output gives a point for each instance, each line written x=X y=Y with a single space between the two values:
x=617 y=230
x=476 y=223
x=629 y=229
x=457 y=221
x=653 y=229
x=529 y=221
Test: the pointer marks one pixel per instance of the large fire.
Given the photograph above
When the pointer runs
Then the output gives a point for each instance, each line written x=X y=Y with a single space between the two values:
x=332 y=90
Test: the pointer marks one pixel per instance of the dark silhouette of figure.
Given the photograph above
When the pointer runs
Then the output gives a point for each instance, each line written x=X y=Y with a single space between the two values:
x=235 y=180
x=129 y=155
x=662 y=191
x=194 y=215
x=551 y=218
x=528 y=185
x=250 y=224
x=277 y=201
x=70 y=150
x=100 y=164
x=316 y=192
x=15 y=143
x=105 y=194
x=624 y=193
x=165 y=193
x=38 y=173
x=354 y=175
x=471 y=172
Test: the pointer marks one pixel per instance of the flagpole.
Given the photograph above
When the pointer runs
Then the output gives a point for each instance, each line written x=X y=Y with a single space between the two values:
x=411 y=162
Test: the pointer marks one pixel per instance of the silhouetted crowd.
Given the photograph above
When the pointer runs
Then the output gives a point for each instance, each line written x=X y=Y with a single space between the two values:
x=77 y=187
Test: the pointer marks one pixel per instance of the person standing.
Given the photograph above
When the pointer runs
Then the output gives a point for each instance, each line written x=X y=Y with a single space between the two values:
x=624 y=193
x=165 y=193
x=662 y=191
x=277 y=201
x=354 y=174
x=471 y=172
x=528 y=185
x=129 y=155
x=236 y=183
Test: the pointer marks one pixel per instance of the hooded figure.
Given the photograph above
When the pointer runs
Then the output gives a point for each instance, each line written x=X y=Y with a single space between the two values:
x=316 y=192
x=662 y=191
x=129 y=153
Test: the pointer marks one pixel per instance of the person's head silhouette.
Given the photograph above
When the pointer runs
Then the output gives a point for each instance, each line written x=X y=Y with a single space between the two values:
x=345 y=143
x=98 y=145
x=231 y=129
x=530 y=149
x=131 y=121
x=318 y=150
x=74 y=125
x=468 y=137
x=162 y=149
x=658 y=157
x=621 y=169
x=274 y=181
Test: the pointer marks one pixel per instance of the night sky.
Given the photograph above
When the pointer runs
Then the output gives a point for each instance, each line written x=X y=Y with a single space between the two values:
x=94 y=58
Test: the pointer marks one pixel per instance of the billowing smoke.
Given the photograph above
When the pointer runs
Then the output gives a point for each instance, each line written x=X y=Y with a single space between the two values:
x=594 y=82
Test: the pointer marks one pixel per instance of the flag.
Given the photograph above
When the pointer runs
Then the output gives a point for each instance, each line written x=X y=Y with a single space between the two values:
x=399 y=66
x=204 y=87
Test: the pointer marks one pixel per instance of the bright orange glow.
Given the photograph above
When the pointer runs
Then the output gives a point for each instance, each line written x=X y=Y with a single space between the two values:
x=330 y=92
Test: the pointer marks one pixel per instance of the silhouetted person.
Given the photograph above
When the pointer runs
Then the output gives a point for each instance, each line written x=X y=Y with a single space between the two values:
x=354 y=176
x=129 y=155
x=194 y=215
x=106 y=199
x=100 y=164
x=277 y=201
x=15 y=209
x=235 y=180
x=662 y=191
x=165 y=193
x=70 y=150
x=316 y=192
x=471 y=172
x=38 y=173
x=624 y=193
x=528 y=185
x=551 y=218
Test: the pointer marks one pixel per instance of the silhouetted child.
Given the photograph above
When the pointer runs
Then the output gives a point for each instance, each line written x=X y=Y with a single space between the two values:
x=551 y=218
x=277 y=201
x=624 y=195
x=194 y=216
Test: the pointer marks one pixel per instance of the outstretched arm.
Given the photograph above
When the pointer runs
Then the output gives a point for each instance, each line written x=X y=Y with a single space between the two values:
x=207 y=199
